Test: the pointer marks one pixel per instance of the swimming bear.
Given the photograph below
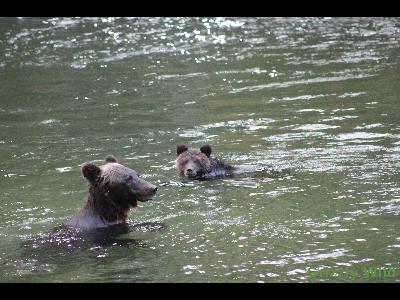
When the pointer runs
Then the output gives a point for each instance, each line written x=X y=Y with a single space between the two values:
x=194 y=163
x=113 y=190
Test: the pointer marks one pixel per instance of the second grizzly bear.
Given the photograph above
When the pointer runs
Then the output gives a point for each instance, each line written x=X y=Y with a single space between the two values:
x=195 y=163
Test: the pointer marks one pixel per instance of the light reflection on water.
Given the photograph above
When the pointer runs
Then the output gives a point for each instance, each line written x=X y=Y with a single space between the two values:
x=315 y=95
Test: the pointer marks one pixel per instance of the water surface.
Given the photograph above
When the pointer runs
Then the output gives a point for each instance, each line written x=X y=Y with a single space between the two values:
x=317 y=95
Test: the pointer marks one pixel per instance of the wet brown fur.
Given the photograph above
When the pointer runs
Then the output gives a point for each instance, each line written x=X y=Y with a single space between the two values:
x=113 y=190
x=200 y=162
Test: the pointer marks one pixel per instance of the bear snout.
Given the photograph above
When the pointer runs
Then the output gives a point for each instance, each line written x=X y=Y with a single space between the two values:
x=190 y=170
x=148 y=191
x=152 y=189
x=192 y=174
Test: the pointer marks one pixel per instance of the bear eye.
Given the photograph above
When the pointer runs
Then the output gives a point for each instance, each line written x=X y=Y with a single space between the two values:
x=129 y=178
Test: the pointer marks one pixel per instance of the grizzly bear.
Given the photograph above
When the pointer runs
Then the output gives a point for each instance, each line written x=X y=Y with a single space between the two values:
x=193 y=163
x=198 y=164
x=113 y=190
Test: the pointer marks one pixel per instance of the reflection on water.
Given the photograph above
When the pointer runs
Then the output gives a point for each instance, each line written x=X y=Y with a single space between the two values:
x=318 y=96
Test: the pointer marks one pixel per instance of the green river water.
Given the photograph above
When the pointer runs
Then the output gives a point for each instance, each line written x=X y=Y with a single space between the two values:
x=319 y=96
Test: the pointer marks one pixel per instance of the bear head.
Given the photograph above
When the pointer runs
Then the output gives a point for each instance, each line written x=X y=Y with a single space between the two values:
x=114 y=189
x=193 y=163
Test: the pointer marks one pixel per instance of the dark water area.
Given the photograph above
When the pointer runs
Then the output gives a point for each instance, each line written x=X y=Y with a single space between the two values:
x=319 y=96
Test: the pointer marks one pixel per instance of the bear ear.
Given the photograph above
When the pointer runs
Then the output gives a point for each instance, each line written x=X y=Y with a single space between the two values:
x=181 y=148
x=206 y=149
x=90 y=171
x=110 y=159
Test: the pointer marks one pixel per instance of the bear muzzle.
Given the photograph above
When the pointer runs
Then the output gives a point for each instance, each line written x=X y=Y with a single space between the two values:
x=148 y=193
x=191 y=174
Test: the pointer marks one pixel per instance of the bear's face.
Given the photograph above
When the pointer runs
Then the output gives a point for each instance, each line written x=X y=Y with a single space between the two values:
x=116 y=184
x=193 y=163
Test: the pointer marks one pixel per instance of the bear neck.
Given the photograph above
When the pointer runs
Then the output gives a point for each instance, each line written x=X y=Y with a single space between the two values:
x=219 y=168
x=100 y=203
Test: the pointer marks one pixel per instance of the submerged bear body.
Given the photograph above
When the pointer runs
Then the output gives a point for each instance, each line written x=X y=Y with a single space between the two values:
x=113 y=190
